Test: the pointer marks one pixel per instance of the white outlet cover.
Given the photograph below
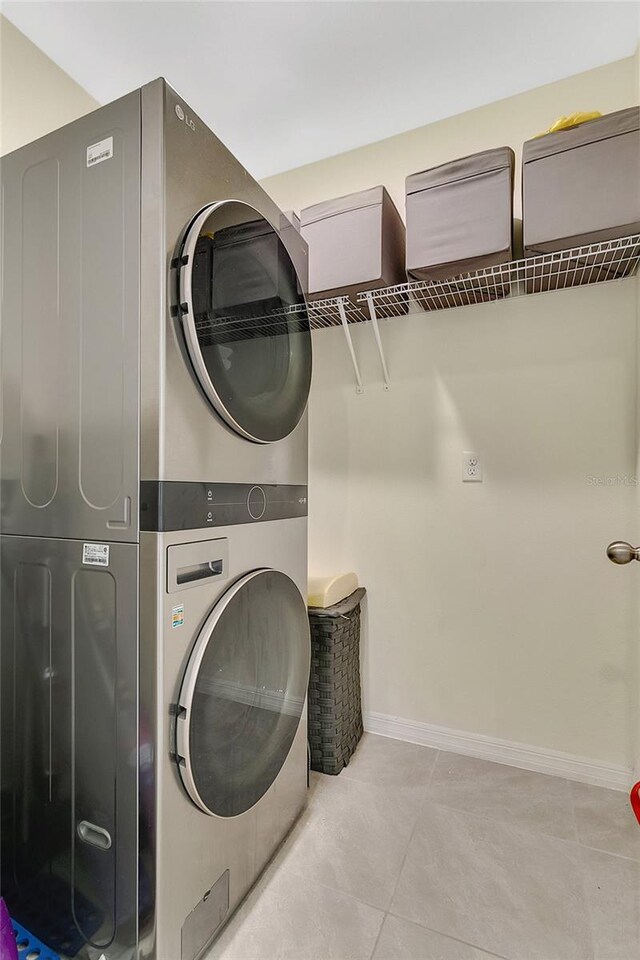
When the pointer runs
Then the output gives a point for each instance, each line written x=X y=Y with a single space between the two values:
x=471 y=467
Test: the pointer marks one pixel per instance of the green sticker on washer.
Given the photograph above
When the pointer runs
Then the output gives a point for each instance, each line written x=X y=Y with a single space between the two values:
x=177 y=615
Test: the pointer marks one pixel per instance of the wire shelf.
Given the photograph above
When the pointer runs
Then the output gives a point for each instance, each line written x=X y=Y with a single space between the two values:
x=230 y=328
x=328 y=313
x=595 y=263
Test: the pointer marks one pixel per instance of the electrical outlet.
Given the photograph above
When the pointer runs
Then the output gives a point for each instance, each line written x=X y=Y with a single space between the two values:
x=471 y=467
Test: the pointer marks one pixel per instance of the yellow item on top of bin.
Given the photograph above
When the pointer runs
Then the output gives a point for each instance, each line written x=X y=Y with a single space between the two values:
x=325 y=591
x=573 y=120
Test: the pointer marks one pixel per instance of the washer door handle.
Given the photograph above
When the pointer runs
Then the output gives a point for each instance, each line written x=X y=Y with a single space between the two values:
x=181 y=735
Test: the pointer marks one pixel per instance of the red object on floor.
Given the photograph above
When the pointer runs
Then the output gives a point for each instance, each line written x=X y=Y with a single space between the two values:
x=635 y=800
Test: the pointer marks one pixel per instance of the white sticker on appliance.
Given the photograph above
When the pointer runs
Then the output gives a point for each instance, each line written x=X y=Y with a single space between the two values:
x=98 y=152
x=96 y=554
x=177 y=616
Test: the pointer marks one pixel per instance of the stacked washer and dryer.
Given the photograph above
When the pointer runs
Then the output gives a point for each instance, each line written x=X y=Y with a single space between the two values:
x=154 y=645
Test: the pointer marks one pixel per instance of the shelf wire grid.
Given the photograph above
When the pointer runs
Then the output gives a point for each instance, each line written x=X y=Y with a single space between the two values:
x=215 y=329
x=315 y=314
x=212 y=329
x=594 y=263
x=327 y=313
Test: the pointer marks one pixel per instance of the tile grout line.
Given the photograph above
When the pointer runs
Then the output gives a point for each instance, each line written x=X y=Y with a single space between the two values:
x=583 y=875
x=433 y=769
x=406 y=852
x=526 y=829
x=449 y=936
x=425 y=800
x=363 y=783
x=377 y=940
x=586 y=846
x=573 y=812
x=609 y=853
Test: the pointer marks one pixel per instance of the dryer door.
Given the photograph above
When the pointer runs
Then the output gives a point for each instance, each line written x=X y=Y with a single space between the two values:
x=245 y=320
x=243 y=693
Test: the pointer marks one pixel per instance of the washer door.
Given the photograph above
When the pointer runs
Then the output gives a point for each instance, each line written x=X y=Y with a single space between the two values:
x=243 y=693
x=245 y=320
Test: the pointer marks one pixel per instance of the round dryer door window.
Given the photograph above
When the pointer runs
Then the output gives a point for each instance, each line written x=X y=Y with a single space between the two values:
x=245 y=320
x=243 y=693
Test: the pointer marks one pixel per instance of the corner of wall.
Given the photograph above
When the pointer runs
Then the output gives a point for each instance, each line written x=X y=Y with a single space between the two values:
x=36 y=96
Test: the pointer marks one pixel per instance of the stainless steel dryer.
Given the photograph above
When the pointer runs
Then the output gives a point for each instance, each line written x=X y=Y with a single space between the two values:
x=154 y=323
x=155 y=370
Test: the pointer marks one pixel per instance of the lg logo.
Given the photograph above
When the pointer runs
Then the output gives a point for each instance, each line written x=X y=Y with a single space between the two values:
x=181 y=115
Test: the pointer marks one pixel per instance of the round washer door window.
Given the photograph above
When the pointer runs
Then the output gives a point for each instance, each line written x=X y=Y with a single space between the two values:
x=245 y=320
x=243 y=693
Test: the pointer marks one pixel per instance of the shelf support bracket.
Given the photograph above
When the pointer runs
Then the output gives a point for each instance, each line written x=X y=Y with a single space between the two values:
x=347 y=334
x=376 y=333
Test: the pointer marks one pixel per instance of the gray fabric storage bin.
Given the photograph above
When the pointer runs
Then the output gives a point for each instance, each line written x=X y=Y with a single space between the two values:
x=460 y=216
x=290 y=236
x=582 y=185
x=355 y=243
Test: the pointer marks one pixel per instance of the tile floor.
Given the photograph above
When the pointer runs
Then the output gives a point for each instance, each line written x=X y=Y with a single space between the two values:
x=415 y=854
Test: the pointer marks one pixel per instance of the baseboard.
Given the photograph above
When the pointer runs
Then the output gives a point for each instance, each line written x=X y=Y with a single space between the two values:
x=501 y=751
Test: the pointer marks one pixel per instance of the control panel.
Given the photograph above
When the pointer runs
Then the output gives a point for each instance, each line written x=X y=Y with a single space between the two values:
x=175 y=505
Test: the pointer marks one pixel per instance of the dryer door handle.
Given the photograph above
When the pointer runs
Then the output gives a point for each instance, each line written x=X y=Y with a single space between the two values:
x=125 y=522
x=94 y=835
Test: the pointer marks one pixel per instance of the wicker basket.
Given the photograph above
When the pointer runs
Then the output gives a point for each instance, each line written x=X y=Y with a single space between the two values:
x=335 y=709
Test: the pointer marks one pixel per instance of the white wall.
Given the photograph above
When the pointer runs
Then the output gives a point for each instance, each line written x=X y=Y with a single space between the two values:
x=36 y=96
x=510 y=122
x=492 y=607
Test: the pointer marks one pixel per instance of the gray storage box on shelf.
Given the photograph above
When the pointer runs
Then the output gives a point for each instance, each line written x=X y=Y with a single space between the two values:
x=356 y=243
x=581 y=186
x=335 y=708
x=460 y=219
x=290 y=236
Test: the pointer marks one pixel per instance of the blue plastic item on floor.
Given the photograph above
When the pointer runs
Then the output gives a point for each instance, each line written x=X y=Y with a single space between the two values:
x=30 y=946
x=43 y=904
x=7 y=938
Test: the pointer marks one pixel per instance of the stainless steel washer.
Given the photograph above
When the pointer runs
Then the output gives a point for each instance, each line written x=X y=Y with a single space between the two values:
x=228 y=633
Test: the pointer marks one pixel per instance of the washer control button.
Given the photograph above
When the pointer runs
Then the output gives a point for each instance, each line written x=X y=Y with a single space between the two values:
x=256 y=503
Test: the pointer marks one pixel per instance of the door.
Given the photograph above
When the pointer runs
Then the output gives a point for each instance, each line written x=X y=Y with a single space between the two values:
x=70 y=327
x=68 y=743
x=245 y=321
x=243 y=693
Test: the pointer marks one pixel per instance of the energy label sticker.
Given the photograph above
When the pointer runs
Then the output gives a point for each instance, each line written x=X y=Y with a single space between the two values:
x=177 y=615
x=95 y=554
x=98 y=152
